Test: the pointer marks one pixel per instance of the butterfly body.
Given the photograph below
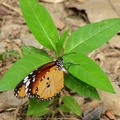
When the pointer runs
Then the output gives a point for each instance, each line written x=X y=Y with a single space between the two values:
x=43 y=83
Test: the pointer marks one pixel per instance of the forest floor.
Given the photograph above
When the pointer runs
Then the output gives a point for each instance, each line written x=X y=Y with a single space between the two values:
x=72 y=14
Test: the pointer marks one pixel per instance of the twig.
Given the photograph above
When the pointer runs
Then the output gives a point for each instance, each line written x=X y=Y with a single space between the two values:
x=12 y=8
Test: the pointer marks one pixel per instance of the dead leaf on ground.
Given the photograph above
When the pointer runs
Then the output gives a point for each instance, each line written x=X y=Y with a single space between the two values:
x=110 y=114
x=95 y=8
x=89 y=106
x=9 y=99
x=97 y=55
x=78 y=12
x=3 y=11
x=111 y=101
x=7 y=116
x=115 y=42
x=93 y=115
x=59 y=23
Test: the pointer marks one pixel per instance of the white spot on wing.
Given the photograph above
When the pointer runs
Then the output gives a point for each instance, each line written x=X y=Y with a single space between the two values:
x=26 y=90
x=34 y=75
x=33 y=80
x=27 y=84
x=25 y=80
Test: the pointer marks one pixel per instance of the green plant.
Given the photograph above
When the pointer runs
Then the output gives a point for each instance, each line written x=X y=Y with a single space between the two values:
x=85 y=75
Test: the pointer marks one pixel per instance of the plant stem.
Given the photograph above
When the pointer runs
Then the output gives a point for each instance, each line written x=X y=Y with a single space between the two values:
x=52 y=116
x=55 y=102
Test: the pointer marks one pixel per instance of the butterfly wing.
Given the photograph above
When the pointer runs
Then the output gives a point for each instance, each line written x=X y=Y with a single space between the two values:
x=52 y=84
x=43 y=83
x=27 y=87
x=20 y=90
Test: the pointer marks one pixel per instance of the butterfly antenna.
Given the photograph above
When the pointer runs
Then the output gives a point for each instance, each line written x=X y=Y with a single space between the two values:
x=69 y=54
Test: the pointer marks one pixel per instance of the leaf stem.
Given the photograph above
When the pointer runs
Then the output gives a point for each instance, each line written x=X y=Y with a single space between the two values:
x=55 y=102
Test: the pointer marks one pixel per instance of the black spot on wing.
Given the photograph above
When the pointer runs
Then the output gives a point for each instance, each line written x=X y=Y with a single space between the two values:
x=48 y=86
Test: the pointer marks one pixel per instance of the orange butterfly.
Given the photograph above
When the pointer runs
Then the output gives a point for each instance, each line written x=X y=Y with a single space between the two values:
x=43 y=83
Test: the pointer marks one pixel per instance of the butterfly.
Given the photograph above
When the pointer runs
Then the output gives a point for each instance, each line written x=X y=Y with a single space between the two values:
x=43 y=83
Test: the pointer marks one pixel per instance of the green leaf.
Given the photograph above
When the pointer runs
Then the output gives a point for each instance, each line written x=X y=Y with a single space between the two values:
x=88 y=71
x=37 y=108
x=20 y=69
x=80 y=87
x=92 y=36
x=27 y=50
x=64 y=108
x=60 y=44
x=72 y=104
x=40 y=23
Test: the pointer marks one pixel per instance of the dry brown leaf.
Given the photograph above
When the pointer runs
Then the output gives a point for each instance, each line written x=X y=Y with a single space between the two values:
x=116 y=67
x=12 y=8
x=7 y=116
x=59 y=23
x=90 y=105
x=3 y=11
x=9 y=99
x=110 y=114
x=93 y=115
x=115 y=42
x=111 y=101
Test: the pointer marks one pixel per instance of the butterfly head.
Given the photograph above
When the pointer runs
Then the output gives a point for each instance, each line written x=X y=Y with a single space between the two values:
x=59 y=63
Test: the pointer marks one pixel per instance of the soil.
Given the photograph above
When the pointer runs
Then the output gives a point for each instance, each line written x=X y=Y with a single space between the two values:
x=72 y=14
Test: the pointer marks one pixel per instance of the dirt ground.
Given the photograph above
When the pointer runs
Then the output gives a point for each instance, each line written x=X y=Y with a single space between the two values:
x=67 y=14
